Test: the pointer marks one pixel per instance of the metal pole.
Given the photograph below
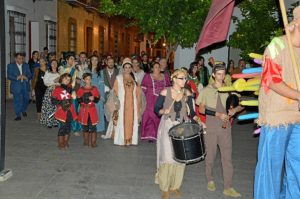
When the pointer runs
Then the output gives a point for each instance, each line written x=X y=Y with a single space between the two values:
x=4 y=173
x=2 y=94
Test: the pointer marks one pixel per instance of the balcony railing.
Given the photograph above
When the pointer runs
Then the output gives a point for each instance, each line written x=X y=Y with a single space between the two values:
x=90 y=5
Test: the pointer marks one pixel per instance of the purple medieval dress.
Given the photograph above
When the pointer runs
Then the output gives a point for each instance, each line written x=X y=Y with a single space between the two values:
x=151 y=89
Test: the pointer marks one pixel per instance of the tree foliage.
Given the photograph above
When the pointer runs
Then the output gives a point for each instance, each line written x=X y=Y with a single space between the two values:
x=179 y=22
x=259 y=24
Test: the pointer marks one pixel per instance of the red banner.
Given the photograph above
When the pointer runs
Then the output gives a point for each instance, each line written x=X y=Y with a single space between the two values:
x=217 y=23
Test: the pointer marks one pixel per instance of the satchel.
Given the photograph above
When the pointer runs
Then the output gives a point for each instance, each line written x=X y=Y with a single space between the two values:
x=112 y=104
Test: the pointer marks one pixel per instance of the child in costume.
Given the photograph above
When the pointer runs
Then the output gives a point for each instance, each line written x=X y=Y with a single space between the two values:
x=87 y=97
x=65 y=112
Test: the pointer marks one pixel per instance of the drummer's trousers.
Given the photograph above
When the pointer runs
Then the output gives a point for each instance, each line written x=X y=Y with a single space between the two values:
x=213 y=138
x=169 y=176
x=278 y=146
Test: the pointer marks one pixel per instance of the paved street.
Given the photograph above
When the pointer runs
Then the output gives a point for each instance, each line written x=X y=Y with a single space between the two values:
x=41 y=171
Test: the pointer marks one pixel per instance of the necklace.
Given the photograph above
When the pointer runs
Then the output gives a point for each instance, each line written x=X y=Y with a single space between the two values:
x=128 y=83
x=177 y=91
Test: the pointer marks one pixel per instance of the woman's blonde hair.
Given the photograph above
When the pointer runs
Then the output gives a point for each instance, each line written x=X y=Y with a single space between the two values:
x=179 y=72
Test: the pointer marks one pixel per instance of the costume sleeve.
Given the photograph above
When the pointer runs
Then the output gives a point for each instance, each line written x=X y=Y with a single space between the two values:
x=144 y=83
x=46 y=79
x=194 y=88
x=159 y=104
x=61 y=70
x=190 y=103
x=168 y=80
x=272 y=66
x=139 y=100
x=96 y=95
x=116 y=88
x=201 y=99
x=79 y=95
x=272 y=72
x=54 y=99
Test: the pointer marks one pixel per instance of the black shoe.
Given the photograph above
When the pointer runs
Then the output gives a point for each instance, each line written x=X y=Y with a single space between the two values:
x=24 y=114
x=17 y=118
x=49 y=127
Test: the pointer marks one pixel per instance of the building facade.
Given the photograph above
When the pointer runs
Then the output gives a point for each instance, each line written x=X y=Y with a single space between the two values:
x=30 y=25
x=81 y=27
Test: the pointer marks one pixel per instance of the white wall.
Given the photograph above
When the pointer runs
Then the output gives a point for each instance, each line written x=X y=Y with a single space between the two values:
x=36 y=12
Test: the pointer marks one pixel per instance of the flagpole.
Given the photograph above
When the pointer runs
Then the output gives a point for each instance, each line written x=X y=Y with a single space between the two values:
x=292 y=52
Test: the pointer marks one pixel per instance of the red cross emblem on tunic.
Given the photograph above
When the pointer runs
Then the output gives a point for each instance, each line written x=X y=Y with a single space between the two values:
x=65 y=95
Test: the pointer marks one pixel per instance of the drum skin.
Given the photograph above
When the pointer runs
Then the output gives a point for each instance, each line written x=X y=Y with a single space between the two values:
x=188 y=143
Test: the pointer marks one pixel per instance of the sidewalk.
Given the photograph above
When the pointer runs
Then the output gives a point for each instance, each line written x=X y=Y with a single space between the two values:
x=41 y=171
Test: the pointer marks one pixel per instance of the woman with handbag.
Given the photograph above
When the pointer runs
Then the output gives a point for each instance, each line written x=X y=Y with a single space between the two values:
x=172 y=105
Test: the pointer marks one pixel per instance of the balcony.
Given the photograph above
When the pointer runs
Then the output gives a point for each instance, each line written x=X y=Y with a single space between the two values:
x=89 y=5
x=92 y=5
x=76 y=3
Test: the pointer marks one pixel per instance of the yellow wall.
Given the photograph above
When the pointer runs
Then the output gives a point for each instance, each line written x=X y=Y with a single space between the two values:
x=85 y=19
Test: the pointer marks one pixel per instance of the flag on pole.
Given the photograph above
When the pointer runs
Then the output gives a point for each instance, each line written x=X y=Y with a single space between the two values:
x=217 y=23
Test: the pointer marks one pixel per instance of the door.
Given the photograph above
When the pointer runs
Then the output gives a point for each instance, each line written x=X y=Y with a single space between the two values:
x=89 y=39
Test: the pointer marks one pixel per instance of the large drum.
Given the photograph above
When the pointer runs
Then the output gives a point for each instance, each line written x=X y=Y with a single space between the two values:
x=188 y=143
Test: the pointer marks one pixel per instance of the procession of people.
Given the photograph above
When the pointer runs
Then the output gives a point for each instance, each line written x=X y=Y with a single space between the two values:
x=140 y=99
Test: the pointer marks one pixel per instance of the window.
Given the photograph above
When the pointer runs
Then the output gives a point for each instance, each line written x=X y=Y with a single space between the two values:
x=116 y=42
x=101 y=39
x=51 y=35
x=17 y=33
x=72 y=35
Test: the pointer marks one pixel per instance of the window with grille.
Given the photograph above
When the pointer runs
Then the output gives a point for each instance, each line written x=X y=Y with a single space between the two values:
x=51 y=35
x=17 y=33
x=72 y=35
x=101 y=39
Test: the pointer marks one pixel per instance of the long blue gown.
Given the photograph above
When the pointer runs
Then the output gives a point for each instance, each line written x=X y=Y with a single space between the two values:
x=98 y=81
